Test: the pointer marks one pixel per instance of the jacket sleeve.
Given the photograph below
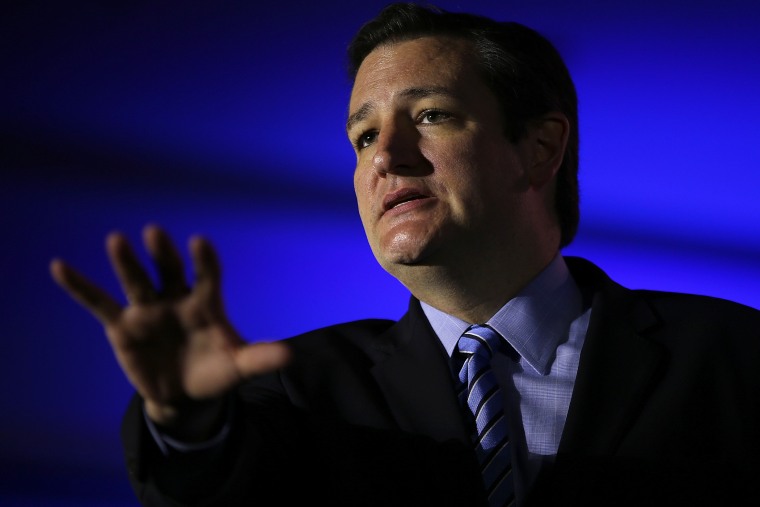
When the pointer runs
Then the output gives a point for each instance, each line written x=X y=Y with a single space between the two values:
x=280 y=455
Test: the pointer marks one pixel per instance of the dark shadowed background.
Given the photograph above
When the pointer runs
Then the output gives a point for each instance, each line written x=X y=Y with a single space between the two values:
x=227 y=118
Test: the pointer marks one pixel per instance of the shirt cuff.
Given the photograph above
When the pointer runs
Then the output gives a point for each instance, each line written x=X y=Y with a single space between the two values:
x=169 y=445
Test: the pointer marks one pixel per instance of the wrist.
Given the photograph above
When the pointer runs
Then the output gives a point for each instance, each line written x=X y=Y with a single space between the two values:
x=191 y=421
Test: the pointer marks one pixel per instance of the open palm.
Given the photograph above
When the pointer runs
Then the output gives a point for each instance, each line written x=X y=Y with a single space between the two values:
x=174 y=344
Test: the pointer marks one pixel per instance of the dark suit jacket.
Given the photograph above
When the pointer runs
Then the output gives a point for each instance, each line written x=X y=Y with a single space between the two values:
x=665 y=411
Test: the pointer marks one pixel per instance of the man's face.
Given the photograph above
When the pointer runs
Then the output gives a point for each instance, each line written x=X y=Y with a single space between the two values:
x=435 y=177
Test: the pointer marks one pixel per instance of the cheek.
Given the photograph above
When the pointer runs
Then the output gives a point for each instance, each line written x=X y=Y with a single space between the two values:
x=452 y=153
x=363 y=191
x=473 y=173
x=360 y=176
x=458 y=168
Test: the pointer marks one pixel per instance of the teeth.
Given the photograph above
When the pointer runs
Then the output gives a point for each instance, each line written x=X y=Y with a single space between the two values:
x=407 y=199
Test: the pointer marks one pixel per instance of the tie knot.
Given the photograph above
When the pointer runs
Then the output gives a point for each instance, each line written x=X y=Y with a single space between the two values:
x=481 y=340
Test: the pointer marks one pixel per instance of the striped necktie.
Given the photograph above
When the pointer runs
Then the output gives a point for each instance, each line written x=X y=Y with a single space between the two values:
x=480 y=392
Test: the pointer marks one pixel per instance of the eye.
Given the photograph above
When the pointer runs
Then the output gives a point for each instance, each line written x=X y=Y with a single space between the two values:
x=365 y=139
x=433 y=116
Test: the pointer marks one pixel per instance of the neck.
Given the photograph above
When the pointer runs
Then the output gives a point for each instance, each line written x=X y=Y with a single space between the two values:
x=473 y=291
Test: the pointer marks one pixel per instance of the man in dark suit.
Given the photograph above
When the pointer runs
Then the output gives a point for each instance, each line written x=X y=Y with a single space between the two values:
x=465 y=132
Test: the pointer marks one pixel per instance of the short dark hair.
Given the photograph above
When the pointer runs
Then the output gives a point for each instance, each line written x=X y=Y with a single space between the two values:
x=523 y=69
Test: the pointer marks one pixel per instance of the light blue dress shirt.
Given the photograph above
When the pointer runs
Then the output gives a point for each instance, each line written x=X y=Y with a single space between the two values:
x=546 y=325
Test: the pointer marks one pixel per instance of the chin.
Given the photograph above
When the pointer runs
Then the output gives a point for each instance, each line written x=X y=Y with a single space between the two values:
x=391 y=263
x=405 y=253
x=396 y=262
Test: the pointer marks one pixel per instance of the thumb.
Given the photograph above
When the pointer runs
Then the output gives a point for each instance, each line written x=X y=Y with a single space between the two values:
x=260 y=358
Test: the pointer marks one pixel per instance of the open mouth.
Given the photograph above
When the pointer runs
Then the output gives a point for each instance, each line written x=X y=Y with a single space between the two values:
x=402 y=196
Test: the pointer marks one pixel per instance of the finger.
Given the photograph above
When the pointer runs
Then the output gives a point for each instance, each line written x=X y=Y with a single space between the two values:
x=259 y=358
x=207 y=271
x=134 y=279
x=168 y=261
x=94 y=299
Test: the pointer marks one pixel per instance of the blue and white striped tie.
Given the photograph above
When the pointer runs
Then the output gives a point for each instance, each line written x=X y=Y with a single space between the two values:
x=481 y=393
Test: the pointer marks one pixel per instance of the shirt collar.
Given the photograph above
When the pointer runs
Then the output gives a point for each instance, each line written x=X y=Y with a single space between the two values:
x=535 y=322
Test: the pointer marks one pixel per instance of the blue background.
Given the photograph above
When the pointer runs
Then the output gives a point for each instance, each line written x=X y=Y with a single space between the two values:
x=226 y=118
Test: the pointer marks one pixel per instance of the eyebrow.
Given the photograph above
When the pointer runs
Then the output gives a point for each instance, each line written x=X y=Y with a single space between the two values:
x=409 y=93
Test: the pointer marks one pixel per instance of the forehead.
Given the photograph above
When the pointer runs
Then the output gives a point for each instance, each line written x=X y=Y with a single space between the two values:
x=426 y=62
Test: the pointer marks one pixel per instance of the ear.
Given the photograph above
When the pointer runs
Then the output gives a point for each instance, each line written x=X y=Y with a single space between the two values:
x=547 y=139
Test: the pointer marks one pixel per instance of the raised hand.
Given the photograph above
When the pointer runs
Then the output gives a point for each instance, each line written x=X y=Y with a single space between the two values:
x=174 y=343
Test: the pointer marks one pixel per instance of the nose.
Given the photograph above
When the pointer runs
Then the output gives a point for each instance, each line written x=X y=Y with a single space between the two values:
x=397 y=149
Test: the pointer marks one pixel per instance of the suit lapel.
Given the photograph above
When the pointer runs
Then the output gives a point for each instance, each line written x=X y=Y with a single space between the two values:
x=412 y=370
x=618 y=369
